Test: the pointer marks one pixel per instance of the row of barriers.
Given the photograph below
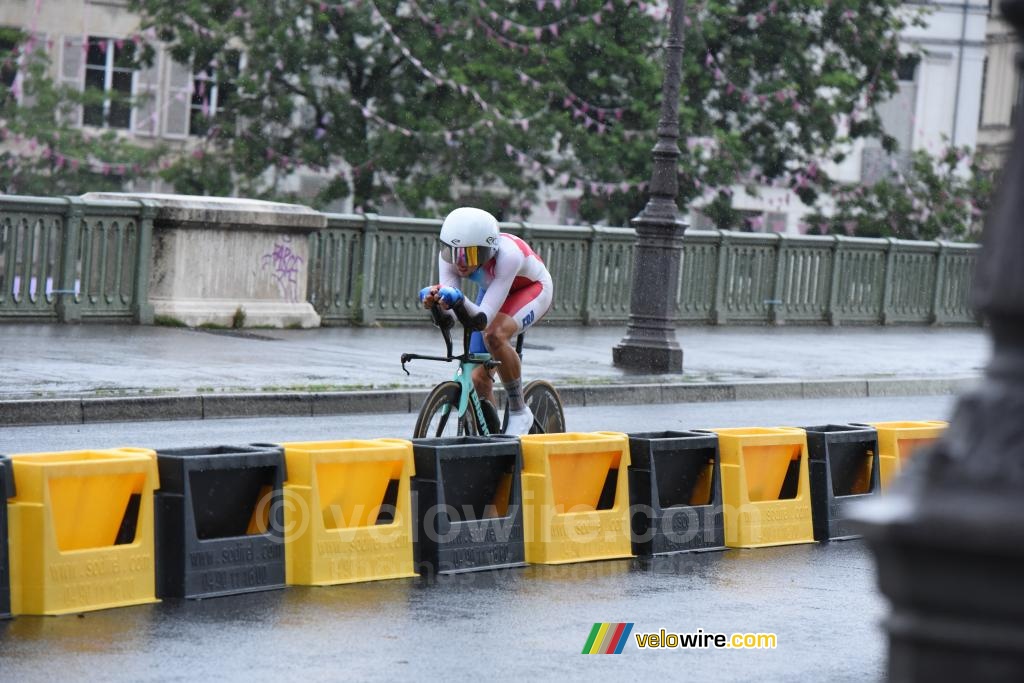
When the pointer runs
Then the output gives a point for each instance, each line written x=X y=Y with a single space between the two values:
x=95 y=529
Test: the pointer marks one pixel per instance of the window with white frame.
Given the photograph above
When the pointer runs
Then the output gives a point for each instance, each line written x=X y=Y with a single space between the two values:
x=212 y=93
x=110 y=70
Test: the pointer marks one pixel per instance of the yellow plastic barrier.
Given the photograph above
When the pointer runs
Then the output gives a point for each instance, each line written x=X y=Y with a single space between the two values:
x=81 y=530
x=347 y=512
x=767 y=500
x=897 y=441
x=575 y=497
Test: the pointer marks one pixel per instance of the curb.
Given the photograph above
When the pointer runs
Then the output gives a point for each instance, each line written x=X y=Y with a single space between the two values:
x=218 y=406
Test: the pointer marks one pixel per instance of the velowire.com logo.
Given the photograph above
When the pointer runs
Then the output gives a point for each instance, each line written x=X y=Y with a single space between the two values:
x=607 y=638
x=610 y=638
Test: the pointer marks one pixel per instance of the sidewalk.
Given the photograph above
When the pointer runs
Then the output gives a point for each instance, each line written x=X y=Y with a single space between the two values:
x=87 y=373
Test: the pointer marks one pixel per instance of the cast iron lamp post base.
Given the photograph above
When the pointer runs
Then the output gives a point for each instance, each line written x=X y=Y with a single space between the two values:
x=650 y=342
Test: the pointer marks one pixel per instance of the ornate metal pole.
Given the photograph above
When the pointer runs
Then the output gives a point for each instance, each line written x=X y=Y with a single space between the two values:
x=948 y=538
x=650 y=342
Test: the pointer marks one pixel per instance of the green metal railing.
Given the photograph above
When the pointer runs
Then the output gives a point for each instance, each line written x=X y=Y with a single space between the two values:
x=727 y=277
x=67 y=259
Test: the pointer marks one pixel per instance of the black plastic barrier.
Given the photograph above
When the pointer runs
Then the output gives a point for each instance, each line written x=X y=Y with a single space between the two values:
x=844 y=467
x=469 y=512
x=219 y=521
x=675 y=493
x=6 y=491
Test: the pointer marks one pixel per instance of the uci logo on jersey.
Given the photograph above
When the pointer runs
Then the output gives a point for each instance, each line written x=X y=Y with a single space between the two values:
x=528 y=319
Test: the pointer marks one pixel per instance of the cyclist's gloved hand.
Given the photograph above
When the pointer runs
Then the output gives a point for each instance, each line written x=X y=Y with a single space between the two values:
x=427 y=291
x=451 y=296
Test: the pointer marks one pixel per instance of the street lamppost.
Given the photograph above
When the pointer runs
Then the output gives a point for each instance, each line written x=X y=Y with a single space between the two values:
x=948 y=537
x=650 y=343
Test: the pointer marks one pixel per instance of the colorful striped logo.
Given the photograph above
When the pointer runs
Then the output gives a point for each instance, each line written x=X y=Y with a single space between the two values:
x=607 y=638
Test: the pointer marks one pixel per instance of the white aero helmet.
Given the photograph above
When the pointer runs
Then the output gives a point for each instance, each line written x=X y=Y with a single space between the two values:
x=469 y=237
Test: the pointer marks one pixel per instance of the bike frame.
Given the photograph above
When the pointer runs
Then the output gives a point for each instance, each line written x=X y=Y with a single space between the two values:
x=464 y=373
x=464 y=376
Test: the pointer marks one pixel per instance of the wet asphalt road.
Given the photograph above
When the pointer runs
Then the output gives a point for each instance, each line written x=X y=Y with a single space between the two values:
x=820 y=599
x=627 y=418
x=517 y=624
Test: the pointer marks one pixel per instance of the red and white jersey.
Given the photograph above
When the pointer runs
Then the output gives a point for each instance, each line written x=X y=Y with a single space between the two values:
x=514 y=267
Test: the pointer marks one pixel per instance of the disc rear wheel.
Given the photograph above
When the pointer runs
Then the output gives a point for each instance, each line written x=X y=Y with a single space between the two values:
x=544 y=402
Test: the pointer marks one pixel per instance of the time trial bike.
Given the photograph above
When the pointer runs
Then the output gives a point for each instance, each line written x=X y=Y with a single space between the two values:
x=454 y=408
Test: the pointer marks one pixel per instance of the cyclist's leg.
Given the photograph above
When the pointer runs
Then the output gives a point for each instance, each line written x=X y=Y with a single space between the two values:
x=521 y=309
x=525 y=306
x=483 y=379
x=498 y=337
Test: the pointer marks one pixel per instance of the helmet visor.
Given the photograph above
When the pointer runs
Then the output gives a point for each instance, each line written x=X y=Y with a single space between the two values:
x=466 y=257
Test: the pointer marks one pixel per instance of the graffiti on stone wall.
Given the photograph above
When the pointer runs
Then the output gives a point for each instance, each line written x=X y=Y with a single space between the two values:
x=283 y=265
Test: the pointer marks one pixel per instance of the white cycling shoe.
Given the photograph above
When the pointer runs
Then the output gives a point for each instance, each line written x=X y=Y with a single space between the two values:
x=519 y=422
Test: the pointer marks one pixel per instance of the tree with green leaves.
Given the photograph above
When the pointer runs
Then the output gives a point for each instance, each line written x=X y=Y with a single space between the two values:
x=940 y=197
x=418 y=101
x=789 y=85
x=42 y=153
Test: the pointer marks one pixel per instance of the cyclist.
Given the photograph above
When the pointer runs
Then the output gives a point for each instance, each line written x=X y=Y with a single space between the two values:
x=515 y=292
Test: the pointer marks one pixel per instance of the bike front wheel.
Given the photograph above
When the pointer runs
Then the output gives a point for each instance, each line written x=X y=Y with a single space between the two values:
x=544 y=402
x=439 y=414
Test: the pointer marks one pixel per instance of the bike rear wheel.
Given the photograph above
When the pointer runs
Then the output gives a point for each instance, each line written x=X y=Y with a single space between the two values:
x=439 y=414
x=544 y=402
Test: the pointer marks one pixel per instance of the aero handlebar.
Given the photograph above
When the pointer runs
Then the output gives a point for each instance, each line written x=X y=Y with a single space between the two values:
x=469 y=323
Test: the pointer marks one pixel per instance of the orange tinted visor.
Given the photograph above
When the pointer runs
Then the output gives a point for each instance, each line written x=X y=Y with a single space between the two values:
x=468 y=257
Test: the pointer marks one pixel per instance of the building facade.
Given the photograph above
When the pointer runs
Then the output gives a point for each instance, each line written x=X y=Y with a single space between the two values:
x=89 y=43
x=92 y=44
x=1001 y=91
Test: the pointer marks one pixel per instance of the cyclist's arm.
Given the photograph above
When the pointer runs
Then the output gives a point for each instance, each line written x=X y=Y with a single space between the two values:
x=448 y=277
x=468 y=313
